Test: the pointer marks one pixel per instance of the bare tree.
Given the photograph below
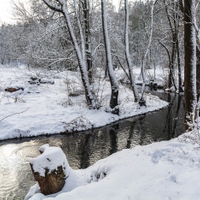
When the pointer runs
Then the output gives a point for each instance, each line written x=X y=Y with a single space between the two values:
x=111 y=74
x=86 y=12
x=144 y=60
x=174 y=16
x=62 y=7
x=127 y=54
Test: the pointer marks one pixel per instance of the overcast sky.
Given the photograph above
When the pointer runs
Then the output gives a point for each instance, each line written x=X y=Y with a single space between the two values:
x=6 y=10
x=5 y=13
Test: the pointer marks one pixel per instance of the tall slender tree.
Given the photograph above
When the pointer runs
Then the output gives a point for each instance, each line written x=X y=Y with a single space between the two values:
x=109 y=64
x=62 y=7
x=190 y=60
x=127 y=54
x=86 y=14
x=144 y=60
x=173 y=16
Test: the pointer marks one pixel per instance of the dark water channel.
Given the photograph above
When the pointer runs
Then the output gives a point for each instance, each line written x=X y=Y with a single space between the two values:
x=85 y=148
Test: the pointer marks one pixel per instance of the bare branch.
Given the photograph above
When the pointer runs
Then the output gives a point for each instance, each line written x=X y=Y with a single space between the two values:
x=14 y=114
x=53 y=7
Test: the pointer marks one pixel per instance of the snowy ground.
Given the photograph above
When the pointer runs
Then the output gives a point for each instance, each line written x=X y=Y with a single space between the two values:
x=164 y=170
x=51 y=104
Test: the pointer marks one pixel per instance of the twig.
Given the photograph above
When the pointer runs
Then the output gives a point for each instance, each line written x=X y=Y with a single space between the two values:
x=14 y=114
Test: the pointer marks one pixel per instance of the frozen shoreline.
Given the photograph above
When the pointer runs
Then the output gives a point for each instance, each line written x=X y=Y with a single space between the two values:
x=162 y=170
x=41 y=109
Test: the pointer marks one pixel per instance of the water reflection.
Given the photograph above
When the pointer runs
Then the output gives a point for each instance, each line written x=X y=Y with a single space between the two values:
x=175 y=115
x=85 y=148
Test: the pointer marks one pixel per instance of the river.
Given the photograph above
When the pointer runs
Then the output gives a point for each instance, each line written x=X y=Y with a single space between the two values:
x=85 y=148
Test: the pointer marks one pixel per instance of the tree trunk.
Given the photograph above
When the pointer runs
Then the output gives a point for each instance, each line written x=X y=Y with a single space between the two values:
x=50 y=177
x=111 y=74
x=172 y=62
x=180 y=88
x=87 y=39
x=190 y=61
x=127 y=54
x=198 y=74
x=176 y=20
x=52 y=183
x=171 y=80
x=62 y=8
x=142 y=101
x=82 y=64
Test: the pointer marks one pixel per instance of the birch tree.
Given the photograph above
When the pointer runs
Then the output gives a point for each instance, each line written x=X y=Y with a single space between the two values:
x=190 y=60
x=142 y=101
x=86 y=14
x=62 y=7
x=109 y=64
x=127 y=54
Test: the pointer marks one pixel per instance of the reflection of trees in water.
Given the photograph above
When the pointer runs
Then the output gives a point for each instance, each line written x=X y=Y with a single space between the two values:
x=137 y=133
x=113 y=138
x=130 y=136
x=173 y=113
x=168 y=122
x=84 y=152
x=178 y=109
x=84 y=149
x=141 y=131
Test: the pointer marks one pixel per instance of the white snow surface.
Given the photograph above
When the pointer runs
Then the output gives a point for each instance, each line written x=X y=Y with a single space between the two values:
x=55 y=106
x=163 y=170
x=51 y=158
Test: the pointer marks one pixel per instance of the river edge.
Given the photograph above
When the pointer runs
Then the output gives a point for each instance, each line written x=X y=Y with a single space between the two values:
x=46 y=109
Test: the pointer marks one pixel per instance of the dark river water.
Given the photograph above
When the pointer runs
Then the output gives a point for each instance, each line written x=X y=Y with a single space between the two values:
x=85 y=148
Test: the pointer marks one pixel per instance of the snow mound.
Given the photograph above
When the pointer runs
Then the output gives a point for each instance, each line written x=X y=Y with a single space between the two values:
x=162 y=170
x=51 y=158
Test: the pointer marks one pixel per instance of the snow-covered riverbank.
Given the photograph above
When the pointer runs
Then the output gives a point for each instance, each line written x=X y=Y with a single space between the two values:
x=49 y=102
x=162 y=170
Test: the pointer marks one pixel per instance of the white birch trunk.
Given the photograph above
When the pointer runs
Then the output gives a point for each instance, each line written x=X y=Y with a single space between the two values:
x=88 y=53
x=112 y=76
x=127 y=53
x=62 y=7
x=147 y=50
x=80 y=31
